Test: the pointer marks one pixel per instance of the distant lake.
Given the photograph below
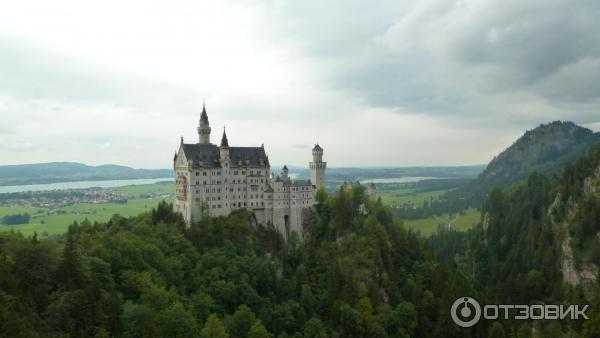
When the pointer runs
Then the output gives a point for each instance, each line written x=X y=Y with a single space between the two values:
x=80 y=185
x=410 y=179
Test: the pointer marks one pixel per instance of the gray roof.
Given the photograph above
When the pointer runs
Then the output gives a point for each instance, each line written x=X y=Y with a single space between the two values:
x=209 y=155
x=203 y=116
x=224 y=142
x=301 y=183
x=298 y=183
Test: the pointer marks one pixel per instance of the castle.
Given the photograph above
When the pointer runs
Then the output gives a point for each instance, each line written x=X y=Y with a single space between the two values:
x=216 y=180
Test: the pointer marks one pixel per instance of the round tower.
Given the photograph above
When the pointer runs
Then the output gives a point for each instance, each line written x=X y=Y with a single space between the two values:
x=204 y=127
x=317 y=167
x=285 y=172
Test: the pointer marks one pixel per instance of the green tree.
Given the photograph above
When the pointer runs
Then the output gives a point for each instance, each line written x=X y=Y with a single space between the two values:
x=524 y=331
x=176 y=322
x=241 y=321
x=314 y=328
x=258 y=331
x=214 y=328
x=496 y=331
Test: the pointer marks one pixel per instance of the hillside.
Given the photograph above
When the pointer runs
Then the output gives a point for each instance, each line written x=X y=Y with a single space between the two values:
x=544 y=149
x=70 y=171
x=538 y=242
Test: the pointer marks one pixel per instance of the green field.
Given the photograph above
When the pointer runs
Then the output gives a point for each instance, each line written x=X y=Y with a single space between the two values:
x=56 y=221
x=427 y=226
x=136 y=190
x=400 y=196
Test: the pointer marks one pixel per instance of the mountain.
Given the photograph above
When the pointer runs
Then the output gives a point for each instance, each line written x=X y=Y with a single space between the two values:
x=538 y=242
x=40 y=173
x=544 y=149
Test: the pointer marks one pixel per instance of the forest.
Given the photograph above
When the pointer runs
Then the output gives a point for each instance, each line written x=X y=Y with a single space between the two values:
x=515 y=255
x=358 y=273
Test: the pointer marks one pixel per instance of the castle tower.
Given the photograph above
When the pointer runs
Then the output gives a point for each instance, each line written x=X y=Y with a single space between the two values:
x=285 y=172
x=204 y=128
x=224 y=148
x=317 y=167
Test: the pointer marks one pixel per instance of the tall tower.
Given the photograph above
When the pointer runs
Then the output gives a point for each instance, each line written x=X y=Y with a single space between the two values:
x=317 y=167
x=224 y=148
x=204 y=128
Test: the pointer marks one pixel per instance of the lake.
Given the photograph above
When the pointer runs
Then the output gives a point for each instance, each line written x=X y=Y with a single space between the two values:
x=80 y=185
x=409 y=179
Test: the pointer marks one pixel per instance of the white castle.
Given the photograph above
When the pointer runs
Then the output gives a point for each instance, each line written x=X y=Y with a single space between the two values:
x=216 y=180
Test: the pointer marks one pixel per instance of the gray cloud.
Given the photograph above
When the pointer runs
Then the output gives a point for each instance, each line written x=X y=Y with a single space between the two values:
x=463 y=58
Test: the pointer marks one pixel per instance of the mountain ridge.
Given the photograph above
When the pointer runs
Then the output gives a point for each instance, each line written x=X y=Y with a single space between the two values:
x=52 y=172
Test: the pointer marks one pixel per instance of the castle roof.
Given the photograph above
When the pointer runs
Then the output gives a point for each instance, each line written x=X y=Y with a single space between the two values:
x=224 y=142
x=203 y=116
x=209 y=155
x=317 y=147
x=296 y=183
x=301 y=183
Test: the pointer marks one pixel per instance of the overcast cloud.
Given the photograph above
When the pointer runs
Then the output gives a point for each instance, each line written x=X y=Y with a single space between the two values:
x=382 y=83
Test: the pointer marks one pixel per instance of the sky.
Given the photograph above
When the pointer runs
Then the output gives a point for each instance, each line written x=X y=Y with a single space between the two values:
x=385 y=83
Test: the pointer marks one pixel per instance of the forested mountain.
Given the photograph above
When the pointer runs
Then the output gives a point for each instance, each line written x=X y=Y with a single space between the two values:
x=544 y=150
x=538 y=243
x=70 y=171
x=358 y=274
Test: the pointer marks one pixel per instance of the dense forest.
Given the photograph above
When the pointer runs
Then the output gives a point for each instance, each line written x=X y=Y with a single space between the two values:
x=516 y=254
x=359 y=273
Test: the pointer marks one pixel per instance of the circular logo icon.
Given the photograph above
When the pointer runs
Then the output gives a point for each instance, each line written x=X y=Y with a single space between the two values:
x=465 y=312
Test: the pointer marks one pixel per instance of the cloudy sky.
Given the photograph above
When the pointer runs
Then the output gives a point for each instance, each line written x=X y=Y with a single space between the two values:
x=428 y=82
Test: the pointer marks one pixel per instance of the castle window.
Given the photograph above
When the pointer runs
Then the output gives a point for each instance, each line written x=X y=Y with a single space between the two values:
x=204 y=173
x=197 y=173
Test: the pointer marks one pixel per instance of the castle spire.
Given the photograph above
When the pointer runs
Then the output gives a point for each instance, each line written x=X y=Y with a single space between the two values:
x=204 y=127
x=203 y=116
x=224 y=142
